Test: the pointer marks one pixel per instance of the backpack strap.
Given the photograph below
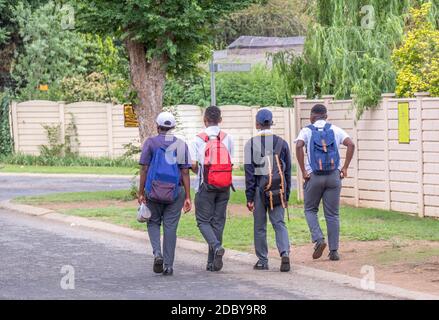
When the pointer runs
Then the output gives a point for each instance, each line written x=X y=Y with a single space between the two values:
x=203 y=136
x=327 y=126
x=222 y=135
x=312 y=127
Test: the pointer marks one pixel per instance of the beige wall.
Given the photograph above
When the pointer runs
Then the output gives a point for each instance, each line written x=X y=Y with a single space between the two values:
x=101 y=130
x=385 y=174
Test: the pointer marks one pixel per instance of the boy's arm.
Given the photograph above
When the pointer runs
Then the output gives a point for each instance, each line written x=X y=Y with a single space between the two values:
x=187 y=188
x=349 y=155
x=250 y=179
x=141 y=194
x=300 y=155
x=287 y=170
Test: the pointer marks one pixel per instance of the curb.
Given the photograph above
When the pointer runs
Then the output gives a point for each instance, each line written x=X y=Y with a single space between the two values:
x=234 y=255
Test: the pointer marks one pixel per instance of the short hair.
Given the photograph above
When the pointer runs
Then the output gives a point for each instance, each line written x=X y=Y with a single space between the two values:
x=319 y=109
x=213 y=114
x=165 y=129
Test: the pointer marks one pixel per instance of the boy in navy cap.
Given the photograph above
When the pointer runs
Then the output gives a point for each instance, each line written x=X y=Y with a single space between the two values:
x=268 y=185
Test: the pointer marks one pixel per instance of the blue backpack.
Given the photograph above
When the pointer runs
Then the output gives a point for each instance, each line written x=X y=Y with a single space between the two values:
x=323 y=154
x=162 y=183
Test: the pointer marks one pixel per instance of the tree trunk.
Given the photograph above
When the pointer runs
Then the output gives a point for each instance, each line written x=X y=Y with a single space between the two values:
x=148 y=80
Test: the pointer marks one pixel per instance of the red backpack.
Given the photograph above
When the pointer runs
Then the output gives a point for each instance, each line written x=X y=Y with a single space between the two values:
x=217 y=163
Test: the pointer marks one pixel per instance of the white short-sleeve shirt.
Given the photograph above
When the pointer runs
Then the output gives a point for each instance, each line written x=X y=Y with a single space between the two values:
x=198 y=147
x=305 y=135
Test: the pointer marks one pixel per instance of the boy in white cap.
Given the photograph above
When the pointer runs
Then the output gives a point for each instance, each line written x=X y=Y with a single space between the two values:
x=165 y=188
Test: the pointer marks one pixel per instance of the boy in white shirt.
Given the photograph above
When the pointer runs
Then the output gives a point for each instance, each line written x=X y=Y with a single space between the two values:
x=323 y=173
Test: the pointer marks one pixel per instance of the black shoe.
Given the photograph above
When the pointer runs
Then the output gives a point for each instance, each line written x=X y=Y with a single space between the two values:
x=260 y=266
x=318 y=249
x=218 y=259
x=285 y=263
x=333 y=255
x=209 y=266
x=158 y=264
x=168 y=271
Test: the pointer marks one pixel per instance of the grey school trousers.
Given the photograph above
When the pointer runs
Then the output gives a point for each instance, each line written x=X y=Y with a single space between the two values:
x=277 y=219
x=327 y=188
x=169 y=214
x=211 y=212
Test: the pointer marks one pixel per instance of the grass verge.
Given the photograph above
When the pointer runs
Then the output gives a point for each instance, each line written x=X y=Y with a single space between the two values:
x=356 y=223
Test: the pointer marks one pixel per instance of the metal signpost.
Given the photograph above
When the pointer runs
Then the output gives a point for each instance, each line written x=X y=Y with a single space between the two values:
x=223 y=67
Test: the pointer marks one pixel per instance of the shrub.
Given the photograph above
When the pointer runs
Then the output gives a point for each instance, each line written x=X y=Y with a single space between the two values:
x=261 y=86
x=5 y=133
x=417 y=60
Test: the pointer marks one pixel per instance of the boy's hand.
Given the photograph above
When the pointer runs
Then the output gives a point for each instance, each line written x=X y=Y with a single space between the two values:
x=141 y=198
x=344 y=173
x=251 y=206
x=187 y=205
x=306 y=176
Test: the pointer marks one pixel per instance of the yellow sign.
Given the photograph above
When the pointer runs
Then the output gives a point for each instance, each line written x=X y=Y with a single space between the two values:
x=44 y=87
x=130 y=116
x=403 y=122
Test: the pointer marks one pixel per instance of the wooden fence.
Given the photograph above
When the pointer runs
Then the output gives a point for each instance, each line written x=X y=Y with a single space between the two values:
x=101 y=130
x=384 y=173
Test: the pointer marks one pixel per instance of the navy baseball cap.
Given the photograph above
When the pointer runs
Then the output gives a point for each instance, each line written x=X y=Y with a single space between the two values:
x=264 y=117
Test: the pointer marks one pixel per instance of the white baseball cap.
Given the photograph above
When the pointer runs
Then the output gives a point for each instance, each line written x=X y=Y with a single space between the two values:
x=166 y=119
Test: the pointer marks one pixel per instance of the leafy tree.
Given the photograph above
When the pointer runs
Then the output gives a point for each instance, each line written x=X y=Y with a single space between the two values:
x=10 y=40
x=417 y=60
x=160 y=37
x=50 y=52
x=276 y=18
x=349 y=50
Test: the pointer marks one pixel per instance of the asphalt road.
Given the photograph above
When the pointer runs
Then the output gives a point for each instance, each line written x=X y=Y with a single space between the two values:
x=19 y=185
x=34 y=250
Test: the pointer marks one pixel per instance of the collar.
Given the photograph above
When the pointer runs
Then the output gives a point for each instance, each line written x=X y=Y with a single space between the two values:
x=266 y=132
x=319 y=123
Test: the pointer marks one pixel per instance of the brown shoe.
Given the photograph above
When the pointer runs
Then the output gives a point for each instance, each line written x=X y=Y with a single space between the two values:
x=318 y=250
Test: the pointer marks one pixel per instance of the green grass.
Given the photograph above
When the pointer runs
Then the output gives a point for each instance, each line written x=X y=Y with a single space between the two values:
x=237 y=197
x=356 y=223
x=68 y=170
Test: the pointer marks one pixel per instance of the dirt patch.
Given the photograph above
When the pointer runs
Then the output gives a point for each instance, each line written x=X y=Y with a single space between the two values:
x=412 y=265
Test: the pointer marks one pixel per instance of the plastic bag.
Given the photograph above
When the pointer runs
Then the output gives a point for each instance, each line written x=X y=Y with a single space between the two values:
x=143 y=213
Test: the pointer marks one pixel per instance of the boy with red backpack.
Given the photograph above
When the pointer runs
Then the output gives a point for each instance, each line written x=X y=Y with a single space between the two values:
x=212 y=153
x=268 y=185
x=323 y=173
x=165 y=189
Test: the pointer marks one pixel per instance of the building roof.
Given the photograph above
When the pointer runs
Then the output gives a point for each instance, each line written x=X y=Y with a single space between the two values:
x=250 y=42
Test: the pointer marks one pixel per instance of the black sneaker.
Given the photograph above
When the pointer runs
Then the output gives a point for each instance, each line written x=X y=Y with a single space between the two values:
x=285 y=263
x=318 y=249
x=158 y=264
x=333 y=255
x=218 y=259
x=209 y=266
x=260 y=266
x=168 y=271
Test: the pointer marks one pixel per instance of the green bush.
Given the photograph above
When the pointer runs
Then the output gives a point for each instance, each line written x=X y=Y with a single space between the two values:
x=261 y=86
x=417 y=60
x=67 y=161
x=5 y=133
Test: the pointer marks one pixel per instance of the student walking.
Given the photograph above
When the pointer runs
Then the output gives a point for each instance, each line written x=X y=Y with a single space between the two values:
x=323 y=173
x=165 y=188
x=212 y=152
x=268 y=185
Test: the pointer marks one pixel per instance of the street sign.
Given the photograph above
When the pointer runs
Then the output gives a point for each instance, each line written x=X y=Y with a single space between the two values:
x=219 y=55
x=130 y=118
x=230 y=67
